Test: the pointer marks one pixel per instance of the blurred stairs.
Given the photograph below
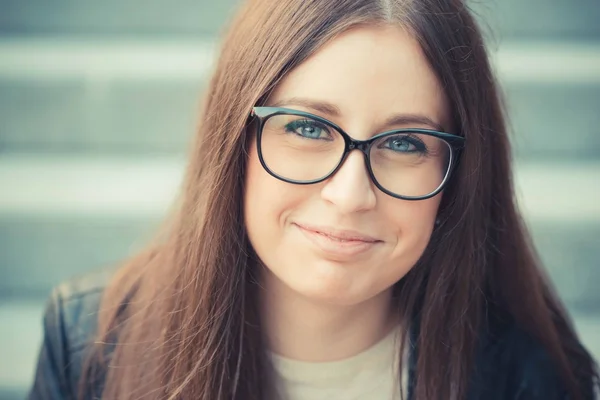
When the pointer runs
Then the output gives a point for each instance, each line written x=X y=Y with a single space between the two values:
x=99 y=99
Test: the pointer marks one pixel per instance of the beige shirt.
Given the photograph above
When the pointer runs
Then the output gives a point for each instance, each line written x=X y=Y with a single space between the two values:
x=370 y=375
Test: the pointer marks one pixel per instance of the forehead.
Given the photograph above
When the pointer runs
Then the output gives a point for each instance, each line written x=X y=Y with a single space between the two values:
x=369 y=73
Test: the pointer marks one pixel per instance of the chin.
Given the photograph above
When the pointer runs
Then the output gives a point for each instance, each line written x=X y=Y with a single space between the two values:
x=328 y=297
x=327 y=283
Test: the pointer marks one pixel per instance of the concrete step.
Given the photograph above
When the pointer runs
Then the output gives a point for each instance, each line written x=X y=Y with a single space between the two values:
x=114 y=18
x=510 y=18
x=38 y=252
x=143 y=97
x=63 y=216
x=539 y=19
x=21 y=336
x=120 y=97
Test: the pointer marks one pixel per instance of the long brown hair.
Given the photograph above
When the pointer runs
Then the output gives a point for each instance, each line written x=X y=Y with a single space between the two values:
x=180 y=319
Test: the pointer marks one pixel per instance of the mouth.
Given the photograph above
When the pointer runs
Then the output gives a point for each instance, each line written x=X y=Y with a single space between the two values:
x=340 y=235
x=340 y=244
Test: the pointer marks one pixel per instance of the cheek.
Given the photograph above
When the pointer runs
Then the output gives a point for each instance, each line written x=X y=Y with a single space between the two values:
x=260 y=198
x=411 y=223
x=414 y=218
x=267 y=202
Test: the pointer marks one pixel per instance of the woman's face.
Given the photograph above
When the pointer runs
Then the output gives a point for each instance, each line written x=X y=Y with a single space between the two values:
x=343 y=241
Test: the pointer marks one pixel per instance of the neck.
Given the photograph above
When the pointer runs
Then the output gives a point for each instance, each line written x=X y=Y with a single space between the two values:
x=305 y=329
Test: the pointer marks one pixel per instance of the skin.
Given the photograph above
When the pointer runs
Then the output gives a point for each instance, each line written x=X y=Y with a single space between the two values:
x=318 y=303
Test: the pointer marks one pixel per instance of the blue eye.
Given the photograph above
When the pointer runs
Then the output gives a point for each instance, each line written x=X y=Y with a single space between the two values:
x=405 y=144
x=308 y=129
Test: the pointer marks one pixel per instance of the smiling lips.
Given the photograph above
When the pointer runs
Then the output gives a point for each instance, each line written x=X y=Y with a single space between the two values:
x=340 y=243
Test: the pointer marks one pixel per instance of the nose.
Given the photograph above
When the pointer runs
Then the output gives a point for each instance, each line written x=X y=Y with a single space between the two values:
x=350 y=189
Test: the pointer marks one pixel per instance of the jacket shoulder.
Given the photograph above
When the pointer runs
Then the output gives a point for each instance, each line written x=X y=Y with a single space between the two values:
x=70 y=325
x=78 y=300
x=511 y=364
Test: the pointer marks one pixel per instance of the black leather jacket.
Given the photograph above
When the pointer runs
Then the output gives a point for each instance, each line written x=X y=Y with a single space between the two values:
x=510 y=366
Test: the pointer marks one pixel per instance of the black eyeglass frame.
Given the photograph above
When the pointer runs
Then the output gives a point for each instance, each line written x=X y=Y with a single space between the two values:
x=456 y=144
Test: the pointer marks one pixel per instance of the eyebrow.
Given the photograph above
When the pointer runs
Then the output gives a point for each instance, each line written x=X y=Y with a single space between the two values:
x=334 y=111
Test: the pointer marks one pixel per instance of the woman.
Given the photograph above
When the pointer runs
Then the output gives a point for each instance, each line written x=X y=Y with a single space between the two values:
x=347 y=230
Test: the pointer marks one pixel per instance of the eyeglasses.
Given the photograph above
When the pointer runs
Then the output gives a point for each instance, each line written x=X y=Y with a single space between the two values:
x=301 y=148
